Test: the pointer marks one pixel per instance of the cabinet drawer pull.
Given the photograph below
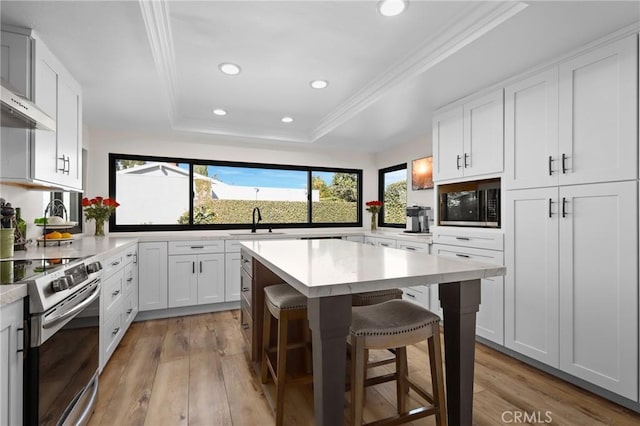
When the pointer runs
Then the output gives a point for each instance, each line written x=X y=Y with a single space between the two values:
x=115 y=293
x=462 y=238
x=193 y=267
x=129 y=311
x=384 y=244
x=129 y=254
x=410 y=295
x=115 y=331
x=129 y=279
x=197 y=247
x=116 y=263
x=201 y=266
x=564 y=209
x=466 y=156
x=245 y=326
x=20 y=340
x=564 y=165
x=458 y=162
x=245 y=260
x=410 y=248
x=245 y=289
x=550 y=204
x=550 y=169
x=466 y=256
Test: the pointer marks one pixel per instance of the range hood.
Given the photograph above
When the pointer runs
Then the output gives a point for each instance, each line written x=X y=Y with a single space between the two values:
x=20 y=112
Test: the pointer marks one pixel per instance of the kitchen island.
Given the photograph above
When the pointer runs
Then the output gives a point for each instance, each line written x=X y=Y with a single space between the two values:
x=329 y=271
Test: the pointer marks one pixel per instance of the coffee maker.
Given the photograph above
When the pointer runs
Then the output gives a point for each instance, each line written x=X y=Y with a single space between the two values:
x=418 y=219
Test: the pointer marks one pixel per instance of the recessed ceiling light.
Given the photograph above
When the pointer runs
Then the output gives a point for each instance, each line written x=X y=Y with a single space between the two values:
x=392 y=7
x=287 y=120
x=229 y=68
x=219 y=111
x=319 y=84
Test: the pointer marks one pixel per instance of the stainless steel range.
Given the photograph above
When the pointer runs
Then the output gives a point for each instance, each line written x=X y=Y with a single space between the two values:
x=62 y=314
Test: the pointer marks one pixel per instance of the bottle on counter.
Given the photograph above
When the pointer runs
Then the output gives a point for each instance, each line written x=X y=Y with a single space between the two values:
x=20 y=237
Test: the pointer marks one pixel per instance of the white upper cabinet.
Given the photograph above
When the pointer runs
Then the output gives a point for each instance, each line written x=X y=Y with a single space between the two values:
x=531 y=132
x=468 y=139
x=40 y=157
x=598 y=95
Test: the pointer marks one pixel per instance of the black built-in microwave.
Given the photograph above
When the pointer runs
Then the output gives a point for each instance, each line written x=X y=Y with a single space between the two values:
x=470 y=204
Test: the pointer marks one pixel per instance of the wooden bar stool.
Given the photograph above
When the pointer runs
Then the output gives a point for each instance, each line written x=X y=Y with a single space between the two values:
x=396 y=324
x=284 y=303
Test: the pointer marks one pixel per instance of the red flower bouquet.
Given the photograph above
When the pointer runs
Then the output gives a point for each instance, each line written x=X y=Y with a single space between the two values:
x=99 y=209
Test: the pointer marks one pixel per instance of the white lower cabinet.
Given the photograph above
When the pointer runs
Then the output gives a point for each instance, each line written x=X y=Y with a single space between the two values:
x=231 y=277
x=572 y=281
x=490 y=317
x=153 y=280
x=418 y=295
x=119 y=298
x=196 y=280
x=11 y=362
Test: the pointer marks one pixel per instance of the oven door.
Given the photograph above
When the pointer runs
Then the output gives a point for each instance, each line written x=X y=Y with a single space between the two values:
x=62 y=363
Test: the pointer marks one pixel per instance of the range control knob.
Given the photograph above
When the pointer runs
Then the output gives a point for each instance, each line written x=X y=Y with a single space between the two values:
x=93 y=267
x=61 y=283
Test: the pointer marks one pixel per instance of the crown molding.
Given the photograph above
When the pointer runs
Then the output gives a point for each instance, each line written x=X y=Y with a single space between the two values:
x=157 y=23
x=200 y=126
x=467 y=27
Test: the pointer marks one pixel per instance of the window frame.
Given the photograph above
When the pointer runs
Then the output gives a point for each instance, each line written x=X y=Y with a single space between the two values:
x=113 y=227
x=381 y=173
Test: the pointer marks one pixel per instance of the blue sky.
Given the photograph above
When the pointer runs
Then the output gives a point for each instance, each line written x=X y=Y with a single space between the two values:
x=395 y=176
x=266 y=178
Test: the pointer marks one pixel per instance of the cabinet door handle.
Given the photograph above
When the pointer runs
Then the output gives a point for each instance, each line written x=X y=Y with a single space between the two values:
x=564 y=163
x=466 y=156
x=245 y=326
x=550 y=162
x=67 y=162
x=197 y=247
x=64 y=164
x=201 y=266
x=550 y=204
x=21 y=350
x=135 y=258
x=193 y=267
x=564 y=210
x=115 y=331
x=115 y=293
x=466 y=256
x=458 y=162
x=462 y=238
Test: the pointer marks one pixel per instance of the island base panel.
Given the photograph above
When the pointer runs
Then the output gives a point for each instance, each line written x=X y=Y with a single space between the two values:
x=329 y=319
x=460 y=302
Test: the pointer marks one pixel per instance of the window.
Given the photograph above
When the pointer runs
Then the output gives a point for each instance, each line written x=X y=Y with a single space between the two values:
x=154 y=194
x=392 y=191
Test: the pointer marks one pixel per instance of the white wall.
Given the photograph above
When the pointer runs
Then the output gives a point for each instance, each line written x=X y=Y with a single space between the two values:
x=31 y=203
x=406 y=153
x=100 y=143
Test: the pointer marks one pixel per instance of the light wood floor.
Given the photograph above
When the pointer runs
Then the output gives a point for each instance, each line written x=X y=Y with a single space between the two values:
x=194 y=371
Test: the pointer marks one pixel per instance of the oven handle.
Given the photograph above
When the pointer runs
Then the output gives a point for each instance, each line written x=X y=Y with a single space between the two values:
x=76 y=309
x=90 y=405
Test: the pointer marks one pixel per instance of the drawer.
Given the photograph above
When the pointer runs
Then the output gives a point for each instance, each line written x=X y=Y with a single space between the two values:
x=385 y=242
x=130 y=278
x=246 y=324
x=247 y=263
x=467 y=253
x=112 y=264
x=245 y=286
x=418 y=295
x=232 y=246
x=112 y=293
x=111 y=332
x=420 y=247
x=131 y=255
x=196 y=247
x=130 y=308
x=475 y=238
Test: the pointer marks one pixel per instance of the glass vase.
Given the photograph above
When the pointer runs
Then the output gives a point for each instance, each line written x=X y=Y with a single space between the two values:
x=99 y=228
x=374 y=221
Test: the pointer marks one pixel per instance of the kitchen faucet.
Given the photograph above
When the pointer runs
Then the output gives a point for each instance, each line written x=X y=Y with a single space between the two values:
x=253 y=217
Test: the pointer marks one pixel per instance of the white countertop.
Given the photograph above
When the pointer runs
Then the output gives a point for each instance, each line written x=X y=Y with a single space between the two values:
x=12 y=292
x=79 y=247
x=319 y=268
